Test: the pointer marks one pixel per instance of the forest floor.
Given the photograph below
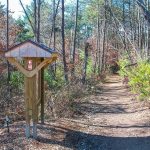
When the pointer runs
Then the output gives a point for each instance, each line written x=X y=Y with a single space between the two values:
x=112 y=120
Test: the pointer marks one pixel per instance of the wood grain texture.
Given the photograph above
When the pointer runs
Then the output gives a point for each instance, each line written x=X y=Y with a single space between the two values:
x=30 y=74
x=28 y=50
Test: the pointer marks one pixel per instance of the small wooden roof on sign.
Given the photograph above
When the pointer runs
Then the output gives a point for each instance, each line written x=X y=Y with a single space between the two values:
x=29 y=49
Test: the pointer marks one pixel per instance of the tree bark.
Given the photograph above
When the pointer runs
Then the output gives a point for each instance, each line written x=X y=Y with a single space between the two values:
x=74 y=42
x=38 y=21
x=7 y=44
x=35 y=19
x=85 y=63
x=104 y=40
x=63 y=44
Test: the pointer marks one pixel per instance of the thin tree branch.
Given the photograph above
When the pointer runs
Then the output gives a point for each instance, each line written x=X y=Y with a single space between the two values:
x=54 y=17
x=27 y=16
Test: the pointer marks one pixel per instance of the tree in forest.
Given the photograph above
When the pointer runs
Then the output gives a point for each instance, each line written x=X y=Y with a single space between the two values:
x=13 y=29
x=74 y=39
x=63 y=42
x=109 y=25
x=24 y=33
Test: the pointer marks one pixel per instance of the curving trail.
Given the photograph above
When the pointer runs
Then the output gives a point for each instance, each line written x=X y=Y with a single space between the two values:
x=114 y=121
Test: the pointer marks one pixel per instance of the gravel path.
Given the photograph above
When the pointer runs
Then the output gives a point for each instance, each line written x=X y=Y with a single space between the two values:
x=113 y=120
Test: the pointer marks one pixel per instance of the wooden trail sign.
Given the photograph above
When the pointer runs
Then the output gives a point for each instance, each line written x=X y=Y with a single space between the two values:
x=34 y=57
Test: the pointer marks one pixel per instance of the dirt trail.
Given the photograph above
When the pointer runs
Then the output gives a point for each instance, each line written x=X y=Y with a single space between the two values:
x=113 y=120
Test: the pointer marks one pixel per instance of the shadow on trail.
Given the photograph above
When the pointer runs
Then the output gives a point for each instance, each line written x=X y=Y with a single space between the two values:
x=7 y=141
x=77 y=140
x=83 y=141
x=115 y=89
x=146 y=125
x=94 y=108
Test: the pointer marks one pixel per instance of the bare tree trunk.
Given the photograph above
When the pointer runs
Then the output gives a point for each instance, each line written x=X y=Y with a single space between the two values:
x=97 y=47
x=104 y=40
x=54 y=19
x=139 y=30
x=35 y=19
x=85 y=62
x=54 y=40
x=63 y=44
x=124 y=40
x=38 y=21
x=54 y=37
x=74 y=42
x=7 y=45
x=99 y=40
x=148 y=32
x=41 y=73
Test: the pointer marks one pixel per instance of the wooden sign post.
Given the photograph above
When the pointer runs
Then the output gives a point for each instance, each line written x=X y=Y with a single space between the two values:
x=31 y=54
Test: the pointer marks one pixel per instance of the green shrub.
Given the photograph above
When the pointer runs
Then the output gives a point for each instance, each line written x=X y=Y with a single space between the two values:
x=17 y=79
x=139 y=78
x=123 y=69
x=54 y=81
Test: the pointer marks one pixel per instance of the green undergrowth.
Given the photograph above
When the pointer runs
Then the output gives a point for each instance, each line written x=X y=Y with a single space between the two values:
x=138 y=76
x=17 y=80
x=64 y=99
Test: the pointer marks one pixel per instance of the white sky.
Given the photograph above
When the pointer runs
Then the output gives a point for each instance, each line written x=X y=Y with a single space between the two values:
x=15 y=7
